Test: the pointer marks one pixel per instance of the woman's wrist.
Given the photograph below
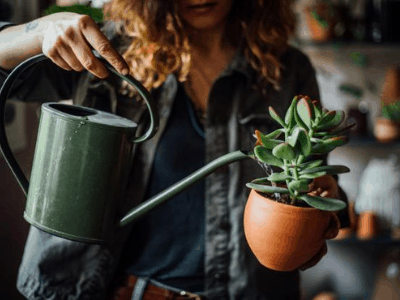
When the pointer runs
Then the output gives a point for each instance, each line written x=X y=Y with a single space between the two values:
x=20 y=42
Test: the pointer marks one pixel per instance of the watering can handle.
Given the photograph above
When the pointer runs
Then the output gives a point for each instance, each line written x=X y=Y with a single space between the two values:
x=4 y=94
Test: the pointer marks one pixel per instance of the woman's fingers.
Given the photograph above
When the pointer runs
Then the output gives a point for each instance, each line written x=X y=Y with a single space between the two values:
x=101 y=44
x=83 y=53
x=333 y=227
x=324 y=186
x=331 y=232
x=58 y=60
x=316 y=258
x=69 y=57
x=70 y=39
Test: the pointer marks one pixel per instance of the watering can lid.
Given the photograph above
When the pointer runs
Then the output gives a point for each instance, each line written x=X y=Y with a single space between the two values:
x=88 y=115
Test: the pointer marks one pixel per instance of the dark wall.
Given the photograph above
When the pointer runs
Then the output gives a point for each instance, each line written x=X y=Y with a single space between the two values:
x=14 y=228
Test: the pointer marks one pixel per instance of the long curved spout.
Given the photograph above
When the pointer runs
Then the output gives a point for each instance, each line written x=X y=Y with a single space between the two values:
x=178 y=187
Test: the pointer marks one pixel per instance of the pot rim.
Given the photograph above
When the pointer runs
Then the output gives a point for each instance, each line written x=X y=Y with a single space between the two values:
x=290 y=207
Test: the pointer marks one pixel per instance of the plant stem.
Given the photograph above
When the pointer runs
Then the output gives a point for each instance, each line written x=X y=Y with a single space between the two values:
x=296 y=173
x=287 y=172
x=294 y=199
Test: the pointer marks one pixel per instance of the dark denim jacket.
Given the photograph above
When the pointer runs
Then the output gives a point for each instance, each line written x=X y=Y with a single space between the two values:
x=55 y=268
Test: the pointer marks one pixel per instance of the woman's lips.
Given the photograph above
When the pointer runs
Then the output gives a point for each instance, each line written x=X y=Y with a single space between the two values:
x=202 y=7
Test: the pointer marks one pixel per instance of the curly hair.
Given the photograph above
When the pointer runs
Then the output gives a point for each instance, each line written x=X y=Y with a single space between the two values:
x=160 y=46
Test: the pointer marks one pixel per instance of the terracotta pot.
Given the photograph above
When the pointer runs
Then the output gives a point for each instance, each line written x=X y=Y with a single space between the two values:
x=283 y=237
x=391 y=86
x=367 y=225
x=386 y=130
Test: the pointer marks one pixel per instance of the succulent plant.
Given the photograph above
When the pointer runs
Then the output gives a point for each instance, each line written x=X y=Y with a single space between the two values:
x=308 y=131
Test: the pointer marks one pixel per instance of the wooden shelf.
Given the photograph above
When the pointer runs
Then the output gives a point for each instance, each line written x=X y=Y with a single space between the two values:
x=337 y=44
x=370 y=141
x=379 y=240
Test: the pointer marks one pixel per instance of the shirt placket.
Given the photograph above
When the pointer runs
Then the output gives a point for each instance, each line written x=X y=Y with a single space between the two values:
x=217 y=227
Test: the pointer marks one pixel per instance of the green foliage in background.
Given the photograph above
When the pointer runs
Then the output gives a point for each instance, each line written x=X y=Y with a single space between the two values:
x=95 y=13
x=352 y=90
x=359 y=59
x=392 y=111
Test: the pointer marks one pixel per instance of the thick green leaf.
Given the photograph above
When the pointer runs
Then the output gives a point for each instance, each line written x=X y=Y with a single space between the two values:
x=273 y=135
x=299 y=121
x=336 y=120
x=336 y=141
x=344 y=129
x=266 y=156
x=267 y=188
x=299 y=185
x=323 y=203
x=322 y=149
x=260 y=180
x=305 y=143
x=305 y=111
x=312 y=175
x=284 y=151
x=329 y=144
x=278 y=177
x=276 y=117
x=332 y=170
x=316 y=140
x=270 y=143
x=327 y=117
x=317 y=109
x=292 y=140
x=289 y=117
x=321 y=133
x=300 y=138
x=311 y=164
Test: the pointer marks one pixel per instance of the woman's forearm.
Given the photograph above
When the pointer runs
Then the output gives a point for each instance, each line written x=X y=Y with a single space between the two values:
x=66 y=38
x=18 y=43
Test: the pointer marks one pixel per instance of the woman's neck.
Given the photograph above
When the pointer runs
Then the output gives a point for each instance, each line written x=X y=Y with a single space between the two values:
x=211 y=53
x=210 y=45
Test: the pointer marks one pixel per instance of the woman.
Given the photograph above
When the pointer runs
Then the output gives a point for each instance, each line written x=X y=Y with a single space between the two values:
x=214 y=67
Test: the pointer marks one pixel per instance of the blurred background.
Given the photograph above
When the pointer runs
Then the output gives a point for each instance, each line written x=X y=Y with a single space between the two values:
x=354 y=46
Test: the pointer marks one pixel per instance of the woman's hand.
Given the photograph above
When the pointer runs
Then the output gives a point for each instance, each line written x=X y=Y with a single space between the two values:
x=331 y=232
x=324 y=186
x=68 y=40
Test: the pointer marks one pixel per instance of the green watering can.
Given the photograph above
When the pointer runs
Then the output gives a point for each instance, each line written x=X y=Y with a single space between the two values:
x=81 y=164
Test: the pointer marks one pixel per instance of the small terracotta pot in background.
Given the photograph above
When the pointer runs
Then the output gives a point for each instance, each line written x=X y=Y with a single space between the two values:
x=325 y=296
x=318 y=31
x=391 y=86
x=283 y=237
x=386 y=130
x=368 y=227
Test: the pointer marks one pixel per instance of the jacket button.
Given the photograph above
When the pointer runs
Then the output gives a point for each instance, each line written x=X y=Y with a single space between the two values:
x=220 y=277
x=224 y=225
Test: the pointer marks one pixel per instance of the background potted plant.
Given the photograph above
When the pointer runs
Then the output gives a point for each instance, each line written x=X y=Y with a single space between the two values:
x=387 y=125
x=285 y=217
x=321 y=19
